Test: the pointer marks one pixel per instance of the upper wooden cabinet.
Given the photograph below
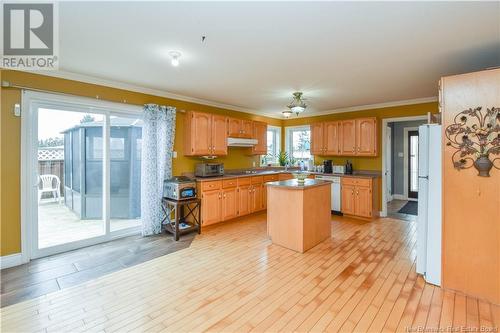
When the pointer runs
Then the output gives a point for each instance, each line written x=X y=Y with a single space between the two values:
x=239 y=128
x=260 y=133
x=348 y=137
x=366 y=137
x=331 y=137
x=219 y=135
x=354 y=137
x=317 y=144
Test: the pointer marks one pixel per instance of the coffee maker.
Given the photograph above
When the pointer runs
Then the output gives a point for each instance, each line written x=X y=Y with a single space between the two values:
x=327 y=166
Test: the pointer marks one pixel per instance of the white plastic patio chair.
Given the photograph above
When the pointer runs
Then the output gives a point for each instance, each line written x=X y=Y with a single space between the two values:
x=48 y=186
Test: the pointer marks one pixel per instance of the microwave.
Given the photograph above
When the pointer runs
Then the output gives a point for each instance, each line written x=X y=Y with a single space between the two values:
x=209 y=169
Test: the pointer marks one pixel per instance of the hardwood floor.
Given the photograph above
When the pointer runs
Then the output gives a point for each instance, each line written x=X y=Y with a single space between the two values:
x=232 y=278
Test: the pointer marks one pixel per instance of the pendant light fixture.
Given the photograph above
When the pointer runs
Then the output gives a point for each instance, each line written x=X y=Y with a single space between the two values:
x=297 y=105
x=287 y=113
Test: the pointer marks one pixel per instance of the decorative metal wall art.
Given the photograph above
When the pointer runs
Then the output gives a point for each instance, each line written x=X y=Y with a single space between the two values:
x=475 y=135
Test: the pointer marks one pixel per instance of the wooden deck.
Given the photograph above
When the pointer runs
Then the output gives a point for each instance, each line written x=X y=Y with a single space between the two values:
x=232 y=279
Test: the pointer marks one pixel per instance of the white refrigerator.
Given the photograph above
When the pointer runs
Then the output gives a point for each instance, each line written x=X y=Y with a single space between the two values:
x=429 y=203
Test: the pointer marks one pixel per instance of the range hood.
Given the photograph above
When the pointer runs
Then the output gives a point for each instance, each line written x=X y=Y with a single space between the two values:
x=239 y=142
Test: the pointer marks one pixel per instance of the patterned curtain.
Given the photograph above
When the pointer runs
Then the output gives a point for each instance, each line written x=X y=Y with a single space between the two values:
x=158 y=135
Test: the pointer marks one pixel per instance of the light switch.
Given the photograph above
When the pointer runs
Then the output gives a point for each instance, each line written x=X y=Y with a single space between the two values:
x=400 y=154
x=174 y=154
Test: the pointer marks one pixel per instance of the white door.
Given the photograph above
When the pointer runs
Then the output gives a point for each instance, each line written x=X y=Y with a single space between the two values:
x=81 y=174
x=388 y=163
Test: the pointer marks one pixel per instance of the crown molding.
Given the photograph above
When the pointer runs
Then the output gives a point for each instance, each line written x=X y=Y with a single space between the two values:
x=149 y=91
x=160 y=93
x=370 y=106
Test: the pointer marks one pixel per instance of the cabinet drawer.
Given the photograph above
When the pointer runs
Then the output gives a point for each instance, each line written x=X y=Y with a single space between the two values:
x=257 y=180
x=211 y=185
x=364 y=182
x=228 y=183
x=271 y=178
x=356 y=181
x=244 y=181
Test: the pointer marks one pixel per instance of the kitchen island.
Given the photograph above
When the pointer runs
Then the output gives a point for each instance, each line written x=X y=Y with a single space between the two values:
x=298 y=215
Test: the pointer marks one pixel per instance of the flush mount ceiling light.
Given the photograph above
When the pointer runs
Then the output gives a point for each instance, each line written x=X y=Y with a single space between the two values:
x=298 y=105
x=287 y=113
x=175 y=55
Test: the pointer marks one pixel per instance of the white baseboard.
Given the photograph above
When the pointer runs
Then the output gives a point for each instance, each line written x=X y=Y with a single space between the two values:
x=11 y=260
x=399 y=197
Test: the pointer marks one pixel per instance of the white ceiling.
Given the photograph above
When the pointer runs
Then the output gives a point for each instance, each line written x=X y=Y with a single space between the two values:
x=256 y=54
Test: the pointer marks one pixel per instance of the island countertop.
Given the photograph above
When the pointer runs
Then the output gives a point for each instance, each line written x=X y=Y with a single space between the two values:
x=294 y=184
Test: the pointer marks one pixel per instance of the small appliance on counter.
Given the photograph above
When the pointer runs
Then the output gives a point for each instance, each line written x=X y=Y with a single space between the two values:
x=338 y=169
x=209 y=170
x=327 y=166
x=179 y=188
x=348 y=168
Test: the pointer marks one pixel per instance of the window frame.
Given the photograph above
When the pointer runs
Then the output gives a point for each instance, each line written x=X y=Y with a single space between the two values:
x=288 y=138
x=277 y=143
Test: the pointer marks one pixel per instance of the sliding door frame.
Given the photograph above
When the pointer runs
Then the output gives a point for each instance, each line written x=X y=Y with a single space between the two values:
x=30 y=102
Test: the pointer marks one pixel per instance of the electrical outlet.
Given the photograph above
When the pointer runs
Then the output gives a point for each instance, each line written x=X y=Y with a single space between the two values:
x=253 y=164
x=174 y=154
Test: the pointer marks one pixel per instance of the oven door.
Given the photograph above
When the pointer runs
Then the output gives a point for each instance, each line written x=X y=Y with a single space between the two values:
x=187 y=193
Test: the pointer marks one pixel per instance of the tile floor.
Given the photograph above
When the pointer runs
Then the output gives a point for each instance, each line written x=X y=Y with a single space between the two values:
x=45 y=275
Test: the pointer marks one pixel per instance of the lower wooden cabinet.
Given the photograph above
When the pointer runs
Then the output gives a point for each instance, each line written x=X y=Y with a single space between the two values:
x=222 y=200
x=360 y=197
x=211 y=199
x=229 y=203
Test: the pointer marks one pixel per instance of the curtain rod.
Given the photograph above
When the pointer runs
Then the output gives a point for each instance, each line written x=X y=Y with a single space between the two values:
x=7 y=84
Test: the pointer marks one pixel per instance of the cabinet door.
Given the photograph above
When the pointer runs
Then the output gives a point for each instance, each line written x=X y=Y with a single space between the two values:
x=244 y=194
x=246 y=129
x=348 y=206
x=348 y=137
x=219 y=135
x=233 y=127
x=331 y=138
x=363 y=202
x=211 y=206
x=260 y=133
x=201 y=133
x=229 y=203
x=366 y=137
x=317 y=146
x=256 y=198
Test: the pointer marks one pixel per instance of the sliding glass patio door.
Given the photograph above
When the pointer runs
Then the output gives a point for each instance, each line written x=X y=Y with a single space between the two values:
x=82 y=172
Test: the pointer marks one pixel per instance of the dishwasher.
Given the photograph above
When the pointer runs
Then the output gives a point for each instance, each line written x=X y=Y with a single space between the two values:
x=335 y=192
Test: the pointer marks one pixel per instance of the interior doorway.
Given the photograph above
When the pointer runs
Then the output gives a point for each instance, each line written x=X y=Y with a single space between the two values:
x=400 y=170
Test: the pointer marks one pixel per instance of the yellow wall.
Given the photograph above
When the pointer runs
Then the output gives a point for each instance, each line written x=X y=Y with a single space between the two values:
x=10 y=142
x=367 y=163
x=10 y=138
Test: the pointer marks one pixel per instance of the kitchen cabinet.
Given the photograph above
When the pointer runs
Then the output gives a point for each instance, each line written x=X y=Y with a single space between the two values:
x=331 y=137
x=359 y=197
x=206 y=134
x=259 y=133
x=352 y=137
x=239 y=128
x=244 y=193
x=325 y=138
x=229 y=203
x=366 y=137
x=317 y=145
x=348 y=139
x=212 y=199
x=256 y=198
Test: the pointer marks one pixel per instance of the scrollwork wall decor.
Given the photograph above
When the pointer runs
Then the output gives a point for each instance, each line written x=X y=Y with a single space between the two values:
x=476 y=137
